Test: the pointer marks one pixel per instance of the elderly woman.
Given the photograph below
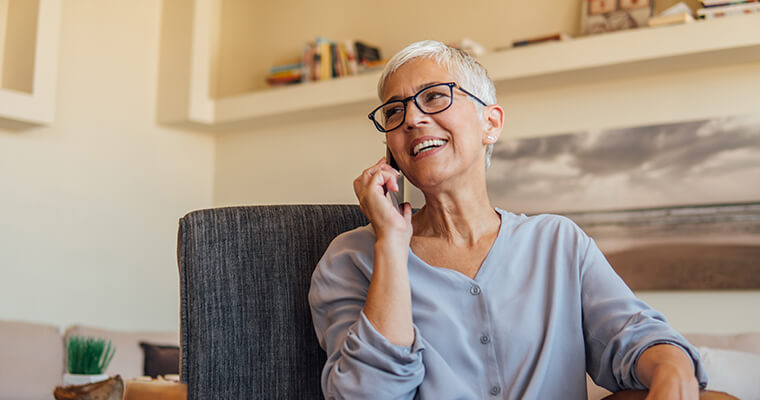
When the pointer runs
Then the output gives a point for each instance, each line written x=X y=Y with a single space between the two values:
x=463 y=300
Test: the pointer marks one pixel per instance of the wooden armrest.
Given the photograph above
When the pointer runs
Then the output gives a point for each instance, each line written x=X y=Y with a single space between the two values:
x=155 y=390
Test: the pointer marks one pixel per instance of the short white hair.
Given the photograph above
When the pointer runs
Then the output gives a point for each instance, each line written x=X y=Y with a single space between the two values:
x=467 y=71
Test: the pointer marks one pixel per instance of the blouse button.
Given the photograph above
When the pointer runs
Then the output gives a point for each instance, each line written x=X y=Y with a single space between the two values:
x=495 y=390
x=475 y=290
x=485 y=339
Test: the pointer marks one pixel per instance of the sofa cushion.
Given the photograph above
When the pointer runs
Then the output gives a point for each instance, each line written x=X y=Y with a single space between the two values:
x=746 y=342
x=31 y=359
x=128 y=359
x=734 y=372
x=160 y=359
x=594 y=391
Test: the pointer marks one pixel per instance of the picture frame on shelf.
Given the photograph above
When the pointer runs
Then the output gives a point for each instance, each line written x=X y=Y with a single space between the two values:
x=599 y=16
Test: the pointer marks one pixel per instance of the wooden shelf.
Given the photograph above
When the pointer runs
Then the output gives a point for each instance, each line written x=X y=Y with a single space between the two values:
x=31 y=102
x=730 y=40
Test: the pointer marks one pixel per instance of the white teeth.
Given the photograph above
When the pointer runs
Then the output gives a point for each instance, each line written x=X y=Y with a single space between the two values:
x=427 y=145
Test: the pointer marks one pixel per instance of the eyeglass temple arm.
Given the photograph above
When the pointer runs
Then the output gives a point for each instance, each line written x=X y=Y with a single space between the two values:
x=474 y=97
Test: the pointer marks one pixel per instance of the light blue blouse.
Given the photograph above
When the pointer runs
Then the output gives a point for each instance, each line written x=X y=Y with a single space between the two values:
x=544 y=308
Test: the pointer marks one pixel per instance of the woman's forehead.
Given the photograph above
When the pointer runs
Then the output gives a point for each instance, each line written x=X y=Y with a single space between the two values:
x=414 y=76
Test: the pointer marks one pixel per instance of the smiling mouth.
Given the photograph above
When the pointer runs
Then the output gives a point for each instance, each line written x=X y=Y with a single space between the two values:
x=427 y=145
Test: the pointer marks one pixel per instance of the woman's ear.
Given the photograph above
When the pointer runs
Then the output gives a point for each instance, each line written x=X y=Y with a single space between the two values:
x=493 y=119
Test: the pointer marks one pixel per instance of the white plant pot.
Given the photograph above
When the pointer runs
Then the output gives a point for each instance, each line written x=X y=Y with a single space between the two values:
x=78 y=379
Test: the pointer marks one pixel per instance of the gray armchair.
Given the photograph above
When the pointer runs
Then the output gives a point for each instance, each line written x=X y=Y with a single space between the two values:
x=246 y=330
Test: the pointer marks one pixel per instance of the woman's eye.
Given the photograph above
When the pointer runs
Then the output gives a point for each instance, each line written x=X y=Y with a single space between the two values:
x=434 y=95
x=391 y=111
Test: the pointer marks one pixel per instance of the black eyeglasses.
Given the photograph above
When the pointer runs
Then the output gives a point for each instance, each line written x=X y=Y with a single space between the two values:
x=430 y=100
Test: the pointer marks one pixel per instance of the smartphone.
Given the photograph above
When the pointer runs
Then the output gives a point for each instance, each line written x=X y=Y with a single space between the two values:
x=397 y=198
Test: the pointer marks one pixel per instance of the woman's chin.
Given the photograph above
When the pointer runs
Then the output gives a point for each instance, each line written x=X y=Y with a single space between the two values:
x=430 y=183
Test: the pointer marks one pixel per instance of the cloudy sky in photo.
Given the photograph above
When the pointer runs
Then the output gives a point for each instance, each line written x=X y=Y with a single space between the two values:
x=698 y=162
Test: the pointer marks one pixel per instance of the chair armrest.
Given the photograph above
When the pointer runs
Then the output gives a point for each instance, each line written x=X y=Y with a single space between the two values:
x=641 y=394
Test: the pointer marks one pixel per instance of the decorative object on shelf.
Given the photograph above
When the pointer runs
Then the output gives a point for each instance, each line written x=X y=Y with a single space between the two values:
x=726 y=8
x=671 y=206
x=472 y=47
x=678 y=13
x=554 y=37
x=109 y=389
x=87 y=359
x=598 y=16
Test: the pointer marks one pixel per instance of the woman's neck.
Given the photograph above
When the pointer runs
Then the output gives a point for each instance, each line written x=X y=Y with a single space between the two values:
x=461 y=217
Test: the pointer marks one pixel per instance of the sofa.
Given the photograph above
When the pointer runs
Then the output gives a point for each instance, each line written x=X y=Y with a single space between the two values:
x=246 y=329
x=33 y=359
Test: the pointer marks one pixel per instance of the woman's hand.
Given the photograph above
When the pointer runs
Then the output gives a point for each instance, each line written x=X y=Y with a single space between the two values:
x=370 y=189
x=388 y=306
x=668 y=372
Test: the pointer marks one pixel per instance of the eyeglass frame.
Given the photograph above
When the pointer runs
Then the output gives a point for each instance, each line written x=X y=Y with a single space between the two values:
x=405 y=101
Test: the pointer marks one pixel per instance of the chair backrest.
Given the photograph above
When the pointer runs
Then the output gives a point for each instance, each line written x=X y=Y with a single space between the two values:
x=246 y=329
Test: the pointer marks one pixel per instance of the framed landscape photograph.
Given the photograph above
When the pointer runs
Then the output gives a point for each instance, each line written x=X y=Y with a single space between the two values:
x=673 y=206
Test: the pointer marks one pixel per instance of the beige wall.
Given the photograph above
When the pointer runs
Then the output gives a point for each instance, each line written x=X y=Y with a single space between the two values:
x=314 y=161
x=89 y=205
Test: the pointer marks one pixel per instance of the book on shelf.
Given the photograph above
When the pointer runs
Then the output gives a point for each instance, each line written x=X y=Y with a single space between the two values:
x=366 y=55
x=554 y=37
x=721 y=3
x=678 y=13
x=730 y=10
x=671 y=19
x=351 y=60
x=285 y=67
x=326 y=60
x=308 y=62
x=286 y=74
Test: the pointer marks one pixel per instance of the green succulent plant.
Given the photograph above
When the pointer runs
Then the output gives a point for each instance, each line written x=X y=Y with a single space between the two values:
x=88 y=355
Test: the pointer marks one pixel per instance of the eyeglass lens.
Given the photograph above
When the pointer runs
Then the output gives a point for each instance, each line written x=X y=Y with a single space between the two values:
x=430 y=101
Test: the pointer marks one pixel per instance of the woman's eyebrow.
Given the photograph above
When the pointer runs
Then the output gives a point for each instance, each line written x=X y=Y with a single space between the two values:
x=416 y=90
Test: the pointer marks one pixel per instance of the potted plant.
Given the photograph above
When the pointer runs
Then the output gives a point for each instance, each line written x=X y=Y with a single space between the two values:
x=87 y=359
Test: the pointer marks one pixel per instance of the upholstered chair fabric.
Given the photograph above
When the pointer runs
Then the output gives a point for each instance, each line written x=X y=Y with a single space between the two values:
x=246 y=329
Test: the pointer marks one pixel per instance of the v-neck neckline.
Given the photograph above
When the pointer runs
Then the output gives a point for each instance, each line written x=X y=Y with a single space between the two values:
x=478 y=275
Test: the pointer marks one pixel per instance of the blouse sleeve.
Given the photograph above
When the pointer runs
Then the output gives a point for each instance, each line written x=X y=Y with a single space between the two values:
x=618 y=326
x=361 y=362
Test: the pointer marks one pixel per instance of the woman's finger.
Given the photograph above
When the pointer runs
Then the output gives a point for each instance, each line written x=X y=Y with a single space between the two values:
x=379 y=178
x=407 y=213
x=369 y=172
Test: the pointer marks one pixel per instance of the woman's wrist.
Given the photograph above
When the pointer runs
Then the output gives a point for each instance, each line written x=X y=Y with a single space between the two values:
x=664 y=360
x=392 y=245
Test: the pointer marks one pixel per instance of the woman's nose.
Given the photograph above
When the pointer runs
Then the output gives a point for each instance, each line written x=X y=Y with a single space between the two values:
x=414 y=116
